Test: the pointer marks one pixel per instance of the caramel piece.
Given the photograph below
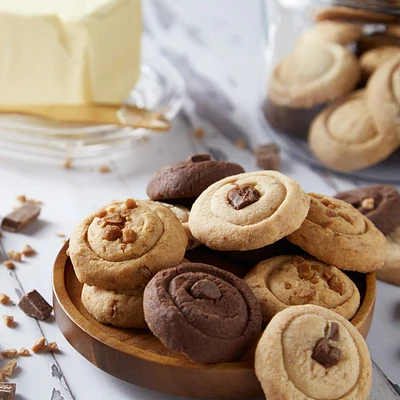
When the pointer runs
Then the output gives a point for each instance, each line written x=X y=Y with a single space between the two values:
x=4 y=299
x=304 y=270
x=8 y=320
x=267 y=156
x=336 y=284
x=128 y=235
x=111 y=233
x=40 y=344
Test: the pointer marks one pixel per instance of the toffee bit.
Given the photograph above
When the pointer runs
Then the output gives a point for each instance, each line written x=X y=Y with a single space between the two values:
x=8 y=320
x=9 y=353
x=28 y=251
x=199 y=133
x=10 y=367
x=4 y=299
x=39 y=345
x=24 y=352
x=104 y=169
x=9 y=264
x=14 y=255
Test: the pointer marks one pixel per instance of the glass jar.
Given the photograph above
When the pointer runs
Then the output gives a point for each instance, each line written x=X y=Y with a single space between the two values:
x=318 y=76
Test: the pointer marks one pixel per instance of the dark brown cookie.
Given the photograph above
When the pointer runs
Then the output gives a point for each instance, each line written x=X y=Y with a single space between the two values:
x=379 y=203
x=201 y=311
x=187 y=179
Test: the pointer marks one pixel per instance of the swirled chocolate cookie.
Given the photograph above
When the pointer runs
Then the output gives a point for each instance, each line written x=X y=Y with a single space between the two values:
x=285 y=281
x=201 y=311
x=248 y=211
x=125 y=243
x=117 y=309
x=186 y=180
x=337 y=234
x=309 y=352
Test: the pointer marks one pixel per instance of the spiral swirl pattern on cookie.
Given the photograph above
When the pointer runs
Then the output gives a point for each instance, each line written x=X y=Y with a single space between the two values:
x=201 y=311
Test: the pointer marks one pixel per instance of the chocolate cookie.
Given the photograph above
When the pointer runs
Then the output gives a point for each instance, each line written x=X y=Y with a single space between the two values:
x=379 y=203
x=201 y=311
x=186 y=180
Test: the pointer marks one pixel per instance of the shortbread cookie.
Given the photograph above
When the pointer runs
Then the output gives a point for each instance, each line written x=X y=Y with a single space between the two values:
x=204 y=312
x=309 y=352
x=186 y=180
x=390 y=271
x=125 y=243
x=344 y=136
x=342 y=33
x=383 y=98
x=375 y=41
x=337 y=234
x=248 y=211
x=313 y=75
x=342 y=13
x=117 y=309
x=379 y=203
x=284 y=281
x=182 y=214
x=371 y=60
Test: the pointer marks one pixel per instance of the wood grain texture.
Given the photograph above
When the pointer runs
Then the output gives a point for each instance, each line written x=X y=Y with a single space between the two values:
x=136 y=356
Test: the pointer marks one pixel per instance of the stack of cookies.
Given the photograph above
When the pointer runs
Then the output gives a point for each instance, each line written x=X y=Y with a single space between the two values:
x=340 y=87
x=132 y=257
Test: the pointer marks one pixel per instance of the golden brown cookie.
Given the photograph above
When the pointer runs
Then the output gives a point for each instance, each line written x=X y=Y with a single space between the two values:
x=337 y=234
x=310 y=352
x=373 y=59
x=248 y=211
x=342 y=33
x=344 y=136
x=390 y=271
x=284 y=281
x=383 y=98
x=342 y=13
x=117 y=309
x=313 y=75
x=125 y=243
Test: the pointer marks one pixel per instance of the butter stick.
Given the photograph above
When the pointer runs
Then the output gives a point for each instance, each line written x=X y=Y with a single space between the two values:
x=21 y=217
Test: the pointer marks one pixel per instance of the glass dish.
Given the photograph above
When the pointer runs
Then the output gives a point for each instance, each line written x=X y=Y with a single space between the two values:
x=284 y=21
x=160 y=88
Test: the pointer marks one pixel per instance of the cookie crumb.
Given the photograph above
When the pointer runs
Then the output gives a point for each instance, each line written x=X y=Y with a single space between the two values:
x=24 y=352
x=368 y=204
x=14 y=255
x=241 y=144
x=9 y=353
x=39 y=345
x=28 y=251
x=4 y=299
x=10 y=367
x=199 y=133
x=68 y=163
x=53 y=347
x=9 y=264
x=8 y=320
x=104 y=169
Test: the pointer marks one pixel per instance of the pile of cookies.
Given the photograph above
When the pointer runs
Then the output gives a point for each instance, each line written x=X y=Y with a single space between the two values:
x=341 y=88
x=133 y=257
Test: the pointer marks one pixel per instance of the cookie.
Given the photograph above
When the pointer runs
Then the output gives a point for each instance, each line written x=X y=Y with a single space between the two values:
x=310 y=352
x=342 y=13
x=206 y=313
x=313 y=75
x=379 y=203
x=371 y=60
x=393 y=30
x=284 y=281
x=337 y=234
x=117 y=309
x=342 y=33
x=344 y=136
x=186 y=180
x=383 y=98
x=390 y=272
x=125 y=243
x=248 y=211
x=375 y=41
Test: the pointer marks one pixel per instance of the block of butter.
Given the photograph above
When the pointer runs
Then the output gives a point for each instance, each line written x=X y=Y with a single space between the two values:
x=68 y=51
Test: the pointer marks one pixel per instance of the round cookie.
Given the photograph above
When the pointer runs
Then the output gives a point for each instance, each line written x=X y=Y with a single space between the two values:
x=125 y=243
x=248 y=211
x=383 y=98
x=313 y=75
x=390 y=272
x=337 y=234
x=310 y=352
x=371 y=60
x=344 y=136
x=117 y=309
x=342 y=33
x=186 y=180
x=201 y=311
x=379 y=203
x=284 y=281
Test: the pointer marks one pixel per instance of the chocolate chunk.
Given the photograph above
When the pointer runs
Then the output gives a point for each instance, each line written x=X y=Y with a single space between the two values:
x=199 y=158
x=34 y=305
x=7 y=390
x=205 y=289
x=21 y=217
x=326 y=355
x=267 y=156
x=243 y=196
x=333 y=332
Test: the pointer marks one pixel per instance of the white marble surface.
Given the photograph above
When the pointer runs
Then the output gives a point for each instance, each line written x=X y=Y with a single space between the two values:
x=218 y=46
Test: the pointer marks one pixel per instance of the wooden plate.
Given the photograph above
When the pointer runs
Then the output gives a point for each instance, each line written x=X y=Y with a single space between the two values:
x=136 y=356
